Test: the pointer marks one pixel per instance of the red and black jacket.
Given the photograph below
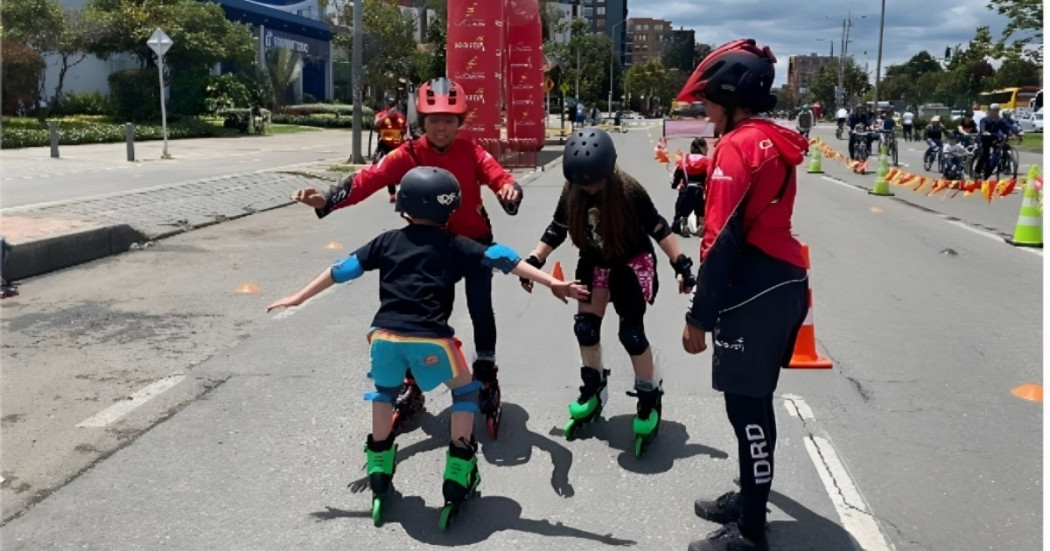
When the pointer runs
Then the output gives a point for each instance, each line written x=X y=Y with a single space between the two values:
x=751 y=190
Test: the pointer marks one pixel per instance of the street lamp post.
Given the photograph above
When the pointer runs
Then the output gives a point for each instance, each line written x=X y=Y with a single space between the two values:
x=612 y=58
x=878 y=60
x=840 y=91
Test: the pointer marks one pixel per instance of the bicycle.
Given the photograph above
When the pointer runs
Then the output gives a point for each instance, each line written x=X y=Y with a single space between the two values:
x=932 y=156
x=890 y=139
x=859 y=149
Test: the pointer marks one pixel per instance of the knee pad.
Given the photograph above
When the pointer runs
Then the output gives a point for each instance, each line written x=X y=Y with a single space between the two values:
x=632 y=337
x=465 y=398
x=588 y=329
x=385 y=394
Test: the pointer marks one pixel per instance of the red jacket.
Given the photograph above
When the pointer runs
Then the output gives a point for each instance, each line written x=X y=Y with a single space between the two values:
x=751 y=188
x=472 y=166
x=391 y=126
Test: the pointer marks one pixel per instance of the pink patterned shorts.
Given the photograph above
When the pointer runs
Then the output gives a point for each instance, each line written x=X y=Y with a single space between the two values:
x=644 y=269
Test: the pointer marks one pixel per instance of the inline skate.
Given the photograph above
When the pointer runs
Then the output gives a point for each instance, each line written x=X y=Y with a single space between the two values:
x=461 y=480
x=593 y=395
x=647 y=419
x=380 y=456
x=409 y=403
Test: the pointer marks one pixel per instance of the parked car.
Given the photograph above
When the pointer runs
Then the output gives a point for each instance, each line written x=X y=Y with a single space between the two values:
x=1032 y=122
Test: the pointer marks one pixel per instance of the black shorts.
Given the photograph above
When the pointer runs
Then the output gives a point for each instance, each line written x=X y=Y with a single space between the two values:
x=755 y=338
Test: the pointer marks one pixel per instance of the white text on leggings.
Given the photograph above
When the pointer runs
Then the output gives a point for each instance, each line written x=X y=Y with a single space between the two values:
x=763 y=471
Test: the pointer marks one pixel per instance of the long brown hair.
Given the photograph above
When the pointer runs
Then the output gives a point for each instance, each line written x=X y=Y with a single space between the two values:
x=618 y=221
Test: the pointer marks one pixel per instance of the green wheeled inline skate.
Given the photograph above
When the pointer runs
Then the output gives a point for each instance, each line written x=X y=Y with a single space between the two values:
x=381 y=469
x=593 y=395
x=461 y=480
x=650 y=410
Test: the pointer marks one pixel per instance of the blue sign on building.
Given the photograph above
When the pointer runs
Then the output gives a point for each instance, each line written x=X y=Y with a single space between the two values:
x=278 y=28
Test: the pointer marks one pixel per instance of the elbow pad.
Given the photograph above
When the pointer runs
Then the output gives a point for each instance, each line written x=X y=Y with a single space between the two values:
x=501 y=257
x=555 y=235
x=662 y=229
x=349 y=268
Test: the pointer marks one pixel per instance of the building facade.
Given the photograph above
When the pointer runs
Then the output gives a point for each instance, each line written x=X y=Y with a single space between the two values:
x=647 y=39
x=801 y=69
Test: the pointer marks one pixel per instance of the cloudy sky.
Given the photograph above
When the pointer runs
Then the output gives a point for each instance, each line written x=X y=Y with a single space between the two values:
x=793 y=27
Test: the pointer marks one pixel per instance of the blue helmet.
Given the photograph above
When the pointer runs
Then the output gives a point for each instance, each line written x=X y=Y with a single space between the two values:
x=428 y=193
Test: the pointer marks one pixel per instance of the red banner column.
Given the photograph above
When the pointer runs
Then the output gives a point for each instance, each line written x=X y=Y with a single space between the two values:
x=475 y=61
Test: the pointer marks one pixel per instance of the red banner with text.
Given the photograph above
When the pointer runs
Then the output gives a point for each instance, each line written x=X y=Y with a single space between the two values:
x=526 y=130
x=475 y=45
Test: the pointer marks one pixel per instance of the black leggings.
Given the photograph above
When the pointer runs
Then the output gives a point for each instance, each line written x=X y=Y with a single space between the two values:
x=755 y=425
x=690 y=200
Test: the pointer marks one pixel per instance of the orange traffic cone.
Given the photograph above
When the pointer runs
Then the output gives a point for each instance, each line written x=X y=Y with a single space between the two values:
x=556 y=273
x=805 y=354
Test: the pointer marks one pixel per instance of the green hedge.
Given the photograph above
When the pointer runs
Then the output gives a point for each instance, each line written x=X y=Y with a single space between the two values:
x=338 y=109
x=322 y=120
x=83 y=130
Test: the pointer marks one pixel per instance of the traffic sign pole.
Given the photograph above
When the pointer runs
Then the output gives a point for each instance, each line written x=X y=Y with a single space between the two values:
x=159 y=42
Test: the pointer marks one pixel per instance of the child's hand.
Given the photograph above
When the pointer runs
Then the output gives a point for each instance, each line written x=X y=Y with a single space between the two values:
x=310 y=196
x=288 y=301
x=571 y=289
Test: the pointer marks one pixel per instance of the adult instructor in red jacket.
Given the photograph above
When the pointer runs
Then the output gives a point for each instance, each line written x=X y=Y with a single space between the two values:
x=442 y=106
x=751 y=292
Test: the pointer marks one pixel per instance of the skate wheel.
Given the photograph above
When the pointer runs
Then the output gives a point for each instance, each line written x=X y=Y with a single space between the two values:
x=447 y=514
x=570 y=429
x=639 y=445
x=493 y=427
x=377 y=511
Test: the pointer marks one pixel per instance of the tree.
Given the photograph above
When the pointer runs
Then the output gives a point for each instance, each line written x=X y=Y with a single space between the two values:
x=389 y=43
x=679 y=52
x=33 y=23
x=1016 y=71
x=919 y=64
x=201 y=33
x=585 y=61
x=283 y=67
x=75 y=36
x=431 y=61
x=854 y=82
x=1026 y=16
x=652 y=81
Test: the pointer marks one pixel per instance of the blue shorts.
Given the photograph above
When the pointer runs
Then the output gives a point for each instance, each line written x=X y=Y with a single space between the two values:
x=432 y=360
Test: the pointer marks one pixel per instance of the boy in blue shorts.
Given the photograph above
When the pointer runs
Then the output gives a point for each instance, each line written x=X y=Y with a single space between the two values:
x=419 y=265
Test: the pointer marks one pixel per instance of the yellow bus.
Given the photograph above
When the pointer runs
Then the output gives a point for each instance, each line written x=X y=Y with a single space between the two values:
x=1017 y=99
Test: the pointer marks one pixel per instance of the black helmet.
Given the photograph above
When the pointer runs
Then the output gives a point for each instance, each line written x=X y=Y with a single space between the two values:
x=736 y=74
x=589 y=156
x=391 y=101
x=428 y=193
x=697 y=145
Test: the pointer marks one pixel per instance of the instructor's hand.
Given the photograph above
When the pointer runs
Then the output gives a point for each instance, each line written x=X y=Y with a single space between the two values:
x=694 y=340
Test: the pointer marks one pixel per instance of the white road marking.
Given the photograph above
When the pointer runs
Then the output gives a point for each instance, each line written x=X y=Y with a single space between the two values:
x=972 y=229
x=850 y=505
x=120 y=409
x=841 y=183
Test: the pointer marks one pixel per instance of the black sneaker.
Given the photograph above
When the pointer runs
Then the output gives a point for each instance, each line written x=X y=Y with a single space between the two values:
x=727 y=508
x=728 y=538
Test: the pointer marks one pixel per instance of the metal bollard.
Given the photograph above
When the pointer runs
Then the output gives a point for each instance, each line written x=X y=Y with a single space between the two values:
x=53 y=127
x=129 y=136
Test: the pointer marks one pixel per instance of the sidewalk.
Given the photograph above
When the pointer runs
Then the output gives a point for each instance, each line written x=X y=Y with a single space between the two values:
x=52 y=236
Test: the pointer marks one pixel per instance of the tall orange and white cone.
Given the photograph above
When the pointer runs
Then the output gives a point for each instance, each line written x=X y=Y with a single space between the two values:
x=805 y=355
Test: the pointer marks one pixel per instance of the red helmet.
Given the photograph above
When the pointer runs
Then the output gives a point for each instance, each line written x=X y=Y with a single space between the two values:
x=441 y=95
x=736 y=74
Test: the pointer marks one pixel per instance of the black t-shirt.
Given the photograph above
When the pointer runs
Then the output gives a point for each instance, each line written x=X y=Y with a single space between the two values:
x=650 y=224
x=418 y=269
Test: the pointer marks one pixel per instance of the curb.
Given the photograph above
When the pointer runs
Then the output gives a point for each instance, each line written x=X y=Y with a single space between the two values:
x=55 y=253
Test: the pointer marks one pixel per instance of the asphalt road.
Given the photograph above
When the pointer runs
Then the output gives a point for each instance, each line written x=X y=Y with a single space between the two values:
x=912 y=441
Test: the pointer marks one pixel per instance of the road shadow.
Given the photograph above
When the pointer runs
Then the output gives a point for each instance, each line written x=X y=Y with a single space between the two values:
x=809 y=531
x=480 y=518
x=669 y=445
x=516 y=442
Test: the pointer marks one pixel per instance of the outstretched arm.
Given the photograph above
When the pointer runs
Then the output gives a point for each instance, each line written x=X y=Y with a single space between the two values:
x=348 y=269
x=507 y=261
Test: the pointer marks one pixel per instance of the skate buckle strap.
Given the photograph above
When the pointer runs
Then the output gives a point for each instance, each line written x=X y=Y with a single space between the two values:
x=381 y=462
x=459 y=470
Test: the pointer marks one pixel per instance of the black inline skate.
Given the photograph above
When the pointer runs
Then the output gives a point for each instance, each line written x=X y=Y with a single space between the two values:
x=593 y=396
x=461 y=480
x=489 y=399
x=409 y=403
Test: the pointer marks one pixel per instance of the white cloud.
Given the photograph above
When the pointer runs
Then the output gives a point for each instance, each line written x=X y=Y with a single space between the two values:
x=793 y=28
